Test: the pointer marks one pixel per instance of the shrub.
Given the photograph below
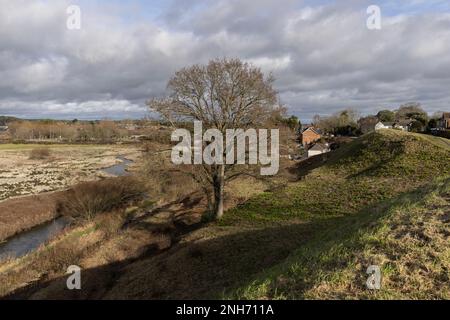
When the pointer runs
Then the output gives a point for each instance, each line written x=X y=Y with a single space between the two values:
x=88 y=199
x=111 y=223
x=40 y=154
x=57 y=257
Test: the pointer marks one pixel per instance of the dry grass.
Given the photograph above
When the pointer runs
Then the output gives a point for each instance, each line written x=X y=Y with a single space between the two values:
x=17 y=215
x=97 y=246
x=67 y=166
x=164 y=180
x=88 y=199
x=40 y=153
x=83 y=200
x=50 y=261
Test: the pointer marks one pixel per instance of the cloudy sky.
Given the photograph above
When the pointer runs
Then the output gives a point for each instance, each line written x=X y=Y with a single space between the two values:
x=321 y=52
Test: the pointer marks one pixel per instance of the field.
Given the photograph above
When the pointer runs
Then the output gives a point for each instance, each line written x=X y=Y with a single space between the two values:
x=26 y=185
x=383 y=199
x=65 y=166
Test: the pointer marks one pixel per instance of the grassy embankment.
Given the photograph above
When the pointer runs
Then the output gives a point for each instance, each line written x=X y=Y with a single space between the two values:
x=383 y=200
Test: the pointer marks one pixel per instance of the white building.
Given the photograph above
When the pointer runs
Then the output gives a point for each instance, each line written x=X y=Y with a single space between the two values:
x=403 y=125
x=380 y=125
x=318 y=148
x=399 y=125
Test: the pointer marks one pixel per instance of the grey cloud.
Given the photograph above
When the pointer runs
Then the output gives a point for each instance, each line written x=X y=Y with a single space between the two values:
x=323 y=56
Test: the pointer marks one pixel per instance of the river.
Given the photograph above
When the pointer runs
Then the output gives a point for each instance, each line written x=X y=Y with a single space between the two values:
x=31 y=240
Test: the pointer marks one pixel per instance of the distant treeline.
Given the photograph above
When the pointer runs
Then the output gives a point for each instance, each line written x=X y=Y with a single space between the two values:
x=78 y=131
x=4 y=120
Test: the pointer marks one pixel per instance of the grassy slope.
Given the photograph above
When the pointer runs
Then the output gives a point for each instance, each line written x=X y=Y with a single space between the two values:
x=379 y=201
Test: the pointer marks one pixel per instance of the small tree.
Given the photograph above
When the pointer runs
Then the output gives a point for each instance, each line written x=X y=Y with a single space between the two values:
x=386 y=116
x=416 y=126
x=432 y=124
x=414 y=111
x=293 y=123
x=300 y=126
x=367 y=124
x=342 y=122
x=224 y=94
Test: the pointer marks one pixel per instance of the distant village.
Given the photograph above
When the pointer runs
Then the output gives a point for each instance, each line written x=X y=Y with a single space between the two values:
x=324 y=134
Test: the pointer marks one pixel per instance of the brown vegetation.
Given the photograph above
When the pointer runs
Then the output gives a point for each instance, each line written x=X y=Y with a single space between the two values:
x=88 y=199
x=17 y=215
x=39 y=153
x=102 y=131
x=66 y=166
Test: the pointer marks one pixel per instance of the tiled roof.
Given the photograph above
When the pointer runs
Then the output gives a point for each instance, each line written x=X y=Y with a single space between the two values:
x=318 y=147
x=312 y=129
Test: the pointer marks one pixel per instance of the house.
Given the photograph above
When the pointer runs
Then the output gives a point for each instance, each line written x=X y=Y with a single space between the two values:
x=3 y=128
x=385 y=125
x=318 y=148
x=444 y=122
x=404 y=125
x=310 y=135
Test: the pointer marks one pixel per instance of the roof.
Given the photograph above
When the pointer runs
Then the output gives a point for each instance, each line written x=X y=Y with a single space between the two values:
x=403 y=122
x=318 y=147
x=390 y=124
x=446 y=115
x=316 y=131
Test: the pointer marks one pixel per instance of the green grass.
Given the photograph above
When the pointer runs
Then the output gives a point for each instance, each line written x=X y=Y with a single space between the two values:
x=378 y=200
x=376 y=167
x=403 y=236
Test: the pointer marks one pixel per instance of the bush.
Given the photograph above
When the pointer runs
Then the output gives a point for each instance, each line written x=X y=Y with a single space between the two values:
x=111 y=223
x=40 y=154
x=88 y=199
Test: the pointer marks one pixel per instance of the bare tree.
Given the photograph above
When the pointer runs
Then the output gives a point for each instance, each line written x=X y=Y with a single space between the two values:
x=224 y=94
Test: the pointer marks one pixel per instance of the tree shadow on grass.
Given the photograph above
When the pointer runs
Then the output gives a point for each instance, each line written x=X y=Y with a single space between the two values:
x=192 y=270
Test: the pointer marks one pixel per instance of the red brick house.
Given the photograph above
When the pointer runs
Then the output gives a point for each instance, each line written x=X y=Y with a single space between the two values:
x=445 y=121
x=310 y=135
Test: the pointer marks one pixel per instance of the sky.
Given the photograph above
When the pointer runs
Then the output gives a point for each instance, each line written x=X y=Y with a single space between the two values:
x=322 y=54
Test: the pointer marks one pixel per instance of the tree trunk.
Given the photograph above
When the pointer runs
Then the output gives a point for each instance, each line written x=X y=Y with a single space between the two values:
x=210 y=199
x=219 y=184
